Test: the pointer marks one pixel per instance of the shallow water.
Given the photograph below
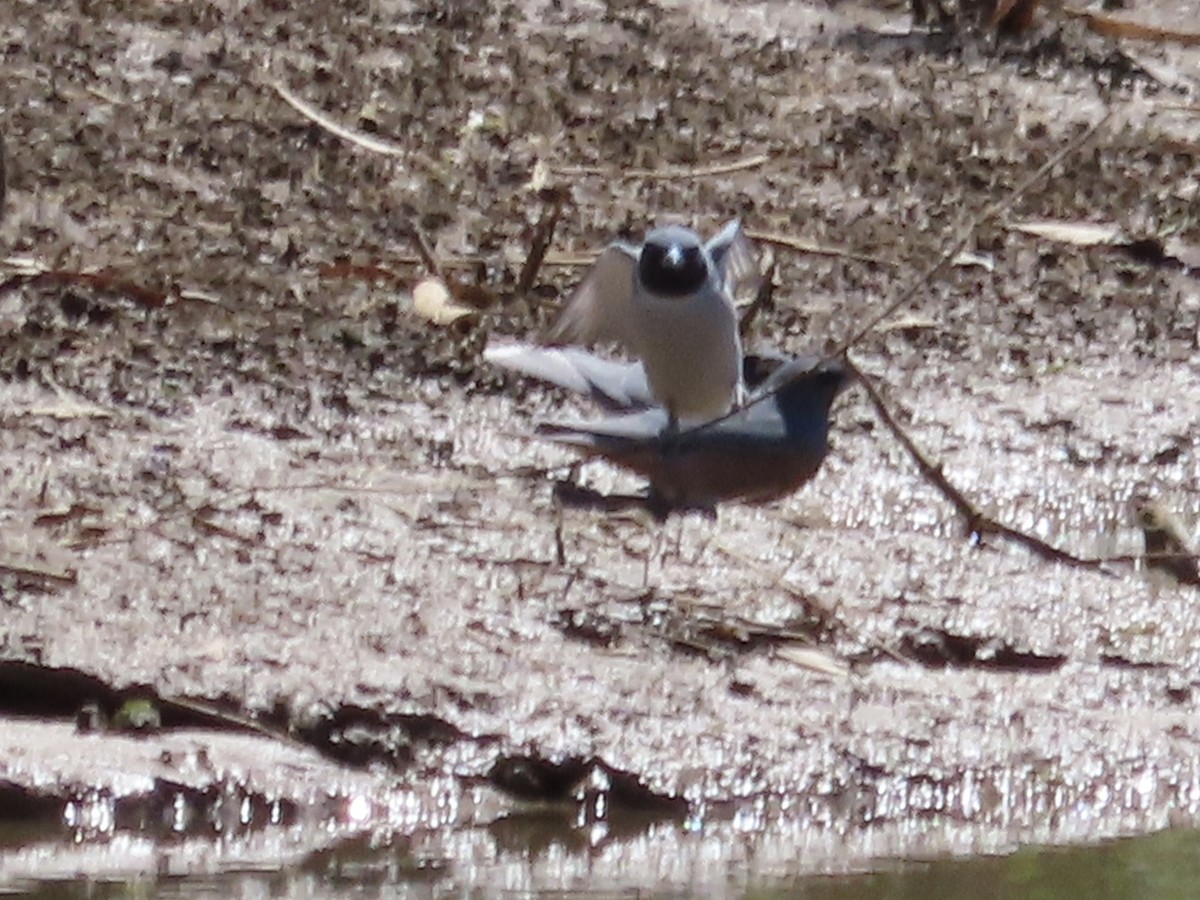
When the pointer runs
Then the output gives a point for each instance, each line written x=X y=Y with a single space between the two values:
x=1163 y=866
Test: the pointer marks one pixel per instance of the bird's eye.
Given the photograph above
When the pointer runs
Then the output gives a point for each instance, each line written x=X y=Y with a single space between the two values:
x=671 y=269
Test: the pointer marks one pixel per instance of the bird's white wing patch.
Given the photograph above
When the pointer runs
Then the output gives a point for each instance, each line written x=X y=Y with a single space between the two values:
x=600 y=309
x=614 y=384
x=543 y=363
x=737 y=263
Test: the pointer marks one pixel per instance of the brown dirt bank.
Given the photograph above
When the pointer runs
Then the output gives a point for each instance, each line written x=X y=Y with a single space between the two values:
x=237 y=472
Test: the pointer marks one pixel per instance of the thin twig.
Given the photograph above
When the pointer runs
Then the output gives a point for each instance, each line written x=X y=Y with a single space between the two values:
x=543 y=235
x=213 y=717
x=424 y=249
x=968 y=235
x=569 y=495
x=976 y=522
x=667 y=173
x=922 y=281
x=556 y=260
x=572 y=260
x=764 y=298
x=374 y=144
x=1110 y=26
x=64 y=577
x=800 y=245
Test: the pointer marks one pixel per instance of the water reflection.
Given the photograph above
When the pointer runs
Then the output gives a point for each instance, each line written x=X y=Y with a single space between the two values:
x=1164 y=866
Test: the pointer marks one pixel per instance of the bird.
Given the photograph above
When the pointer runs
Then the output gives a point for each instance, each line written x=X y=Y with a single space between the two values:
x=669 y=303
x=1167 y=546
x=766 y=449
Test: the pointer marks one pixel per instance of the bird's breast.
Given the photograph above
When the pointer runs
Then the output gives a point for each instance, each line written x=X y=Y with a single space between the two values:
x=690 y=350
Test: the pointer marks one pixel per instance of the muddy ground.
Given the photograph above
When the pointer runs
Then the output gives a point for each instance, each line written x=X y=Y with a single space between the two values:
x=242 y=477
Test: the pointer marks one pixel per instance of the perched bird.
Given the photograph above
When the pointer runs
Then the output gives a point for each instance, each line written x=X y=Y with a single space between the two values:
x=1167 y=546
x=764 y=450
x=669 y=302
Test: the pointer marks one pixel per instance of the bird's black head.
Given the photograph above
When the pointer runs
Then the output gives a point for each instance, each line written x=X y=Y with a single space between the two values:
x=673 y=262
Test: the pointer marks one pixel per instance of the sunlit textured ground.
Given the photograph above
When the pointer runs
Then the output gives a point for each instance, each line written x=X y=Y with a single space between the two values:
x=238 y=472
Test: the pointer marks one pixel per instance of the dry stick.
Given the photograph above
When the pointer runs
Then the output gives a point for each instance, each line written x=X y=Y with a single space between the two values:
x=425 y=249
x=64 y=577
x=802 y=246
x=367 y=142
x=927 y=276
x=1121 y=28
x=572 y=260
x=764 y=297
x=668 y=173
x=554 y=260
x=310 y=112
x=976 y=521
x=973 y=225
x=543 y=234
x=214 y=717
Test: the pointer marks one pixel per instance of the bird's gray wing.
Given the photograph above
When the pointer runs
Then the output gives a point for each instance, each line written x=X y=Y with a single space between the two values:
x=599 y=310
x=614 y=384
x=735 y=258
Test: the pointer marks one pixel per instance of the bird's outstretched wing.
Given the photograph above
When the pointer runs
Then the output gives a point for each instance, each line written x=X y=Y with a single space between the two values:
x=737 y=263
x=599 y=310
x=613 y=384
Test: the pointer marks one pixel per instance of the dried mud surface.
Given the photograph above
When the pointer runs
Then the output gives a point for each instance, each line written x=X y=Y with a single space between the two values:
x=241 y=473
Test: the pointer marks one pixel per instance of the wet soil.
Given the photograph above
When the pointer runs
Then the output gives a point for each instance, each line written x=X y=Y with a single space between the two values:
x=246 y=480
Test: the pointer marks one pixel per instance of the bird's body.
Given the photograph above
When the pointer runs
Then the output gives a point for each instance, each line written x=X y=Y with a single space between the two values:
x=767 y=449
x=669 y=302
x=691 y=351
x=759 y=453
